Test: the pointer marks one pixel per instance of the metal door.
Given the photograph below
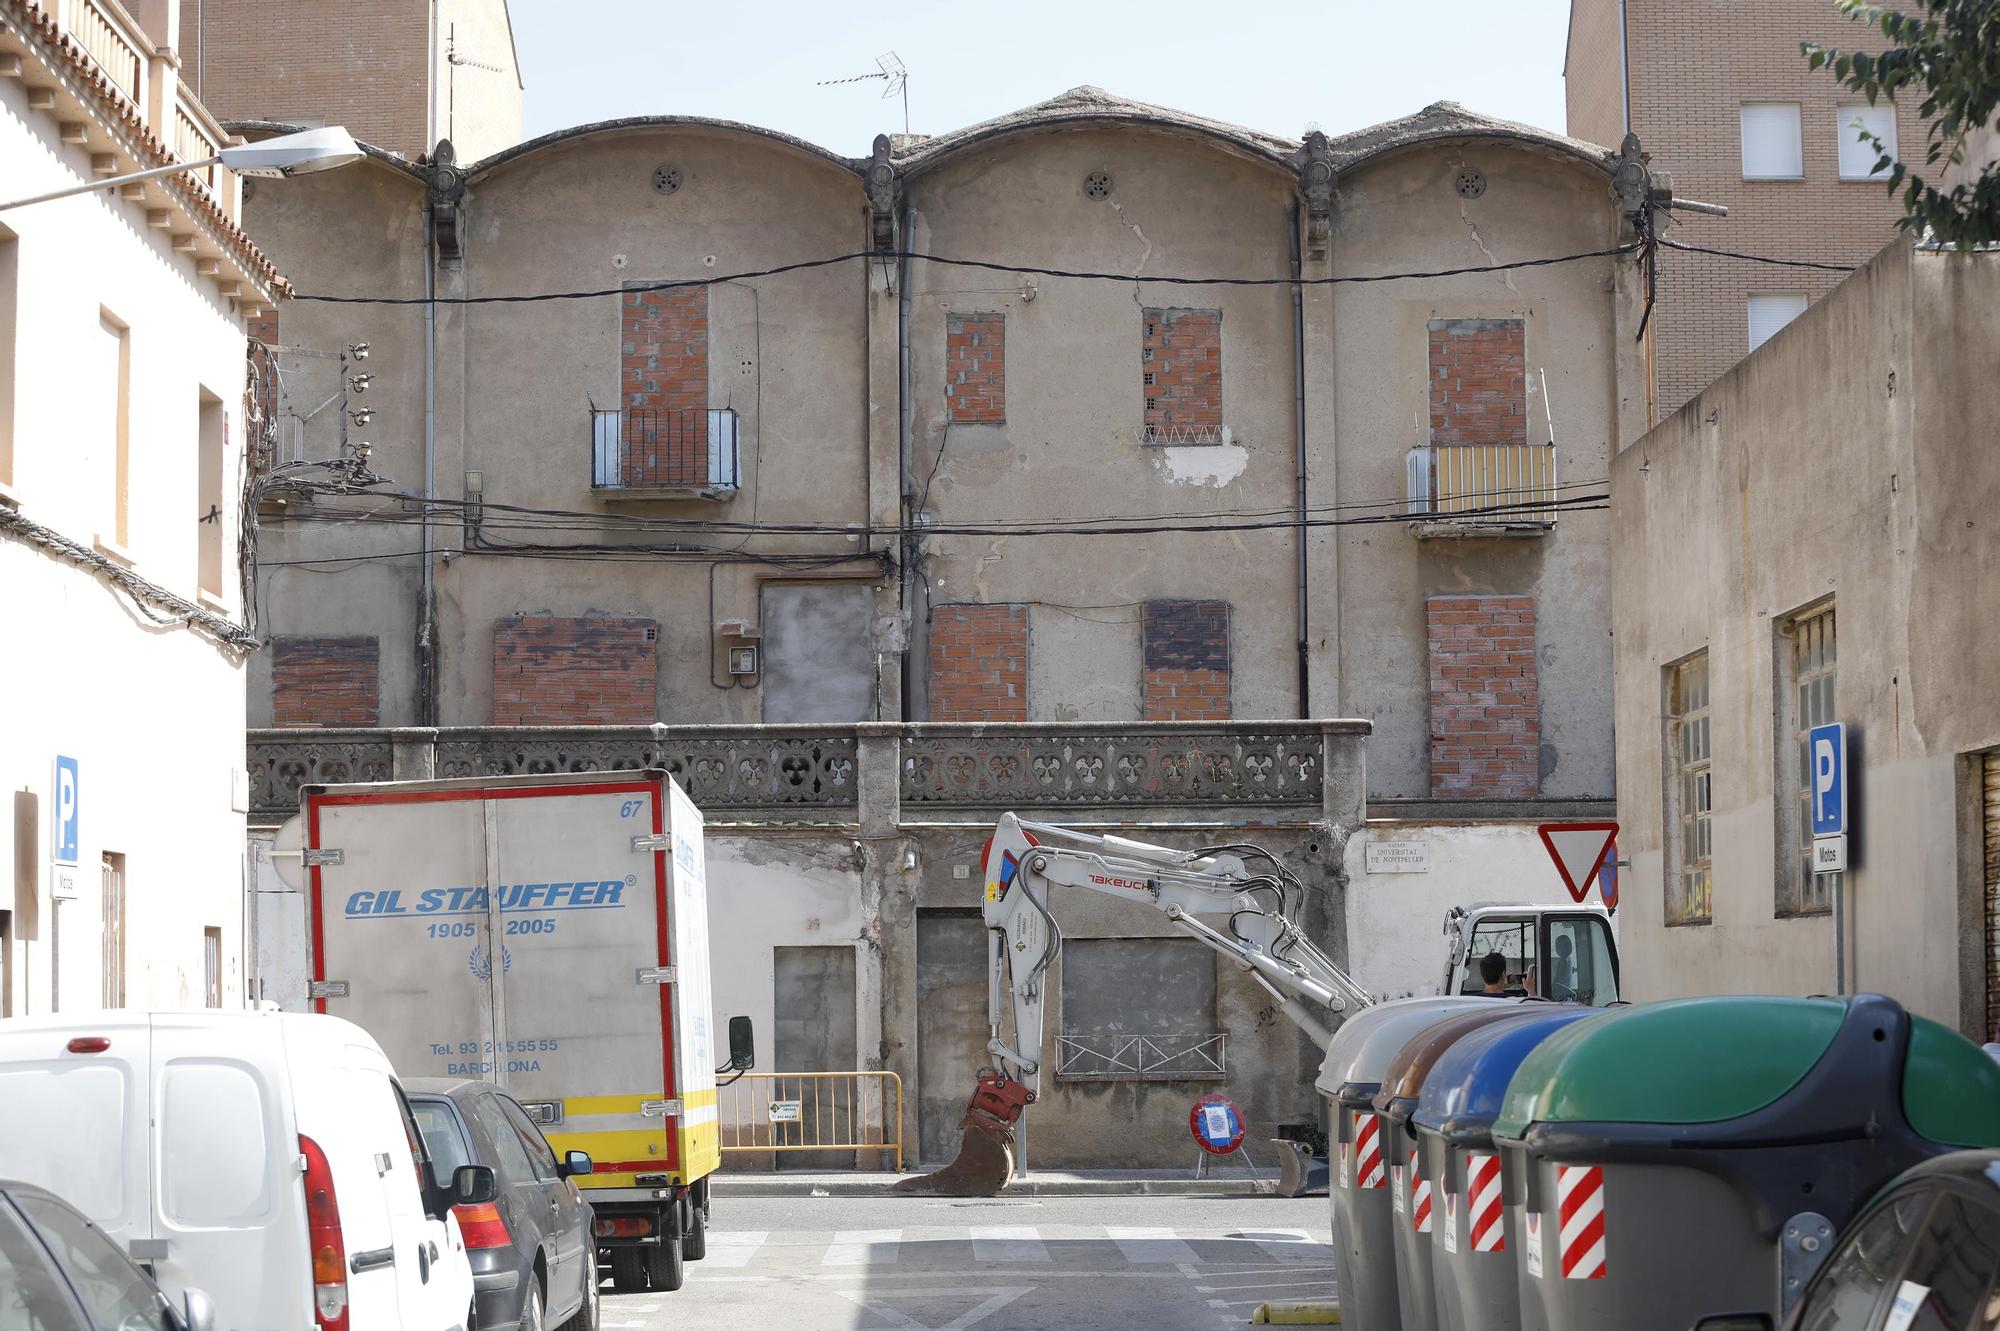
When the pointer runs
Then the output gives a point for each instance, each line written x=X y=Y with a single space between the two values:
x=951 y=1025
x=1989 y=804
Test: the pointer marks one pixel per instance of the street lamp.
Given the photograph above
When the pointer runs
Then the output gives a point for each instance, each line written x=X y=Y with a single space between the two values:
x=287 y=155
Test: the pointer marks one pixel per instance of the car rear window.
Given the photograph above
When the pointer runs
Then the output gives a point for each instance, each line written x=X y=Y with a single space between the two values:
x=215 y=1165
x=443 y=1137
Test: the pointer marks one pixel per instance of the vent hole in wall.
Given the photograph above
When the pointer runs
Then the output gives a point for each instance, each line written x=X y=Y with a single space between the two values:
x=666 y=178
x=1471 y=182
x=1097 y=186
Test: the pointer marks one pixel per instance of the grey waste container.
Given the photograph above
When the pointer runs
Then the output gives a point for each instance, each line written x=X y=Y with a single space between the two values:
x=1349 y=1076
x=1472 y=1273
x=1411 y=1196
x=1658 y=1158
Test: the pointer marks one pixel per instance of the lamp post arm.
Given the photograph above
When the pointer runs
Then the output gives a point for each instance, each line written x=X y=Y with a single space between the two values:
x=94 y=185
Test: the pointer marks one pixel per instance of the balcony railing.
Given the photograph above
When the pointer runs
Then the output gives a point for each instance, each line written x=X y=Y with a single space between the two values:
x=1139 y=1057
x=196 y=138
x=690 y=450
x=110 y=37
x=1484 y=485
x=806 y=773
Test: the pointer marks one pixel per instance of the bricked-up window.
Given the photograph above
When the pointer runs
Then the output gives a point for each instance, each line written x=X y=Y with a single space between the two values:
x=663 y=434
x=979 y=663
x=1186 y=655
x=1690 y=838
x=1486 y=729
x=593 y=670
x=1806 y=695
x=1479 y=382
x=325 y=682
x=264 y=327
x=975 y=368
x=1180 y=371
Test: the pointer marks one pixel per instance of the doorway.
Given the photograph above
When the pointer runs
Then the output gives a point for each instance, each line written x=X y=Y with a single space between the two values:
x=951 y=1025
x=813 y=1003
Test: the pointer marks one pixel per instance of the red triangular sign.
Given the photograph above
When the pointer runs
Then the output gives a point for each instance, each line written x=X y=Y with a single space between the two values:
x=1578 y=849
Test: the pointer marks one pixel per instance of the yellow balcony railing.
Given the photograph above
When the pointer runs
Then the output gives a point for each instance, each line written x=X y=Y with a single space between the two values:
x=1509 y=485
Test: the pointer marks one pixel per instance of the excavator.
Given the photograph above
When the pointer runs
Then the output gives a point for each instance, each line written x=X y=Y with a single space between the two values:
x=1566 y=954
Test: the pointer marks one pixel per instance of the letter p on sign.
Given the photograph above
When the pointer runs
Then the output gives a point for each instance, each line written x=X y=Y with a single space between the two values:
x=66 y=838
x=1827 y=750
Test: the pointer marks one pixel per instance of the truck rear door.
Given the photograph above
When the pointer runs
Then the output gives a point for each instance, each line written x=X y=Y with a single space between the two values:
x=691 y=1008
x=512 y=931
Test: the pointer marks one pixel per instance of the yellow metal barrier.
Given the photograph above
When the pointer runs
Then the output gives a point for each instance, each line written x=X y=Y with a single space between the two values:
x=814 y=1111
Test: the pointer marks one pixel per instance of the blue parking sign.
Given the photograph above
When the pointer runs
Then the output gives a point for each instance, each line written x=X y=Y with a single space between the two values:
x=1826 y=777
x=66 y=834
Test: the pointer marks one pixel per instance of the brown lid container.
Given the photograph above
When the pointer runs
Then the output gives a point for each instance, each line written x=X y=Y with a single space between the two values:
x=1404 y=1078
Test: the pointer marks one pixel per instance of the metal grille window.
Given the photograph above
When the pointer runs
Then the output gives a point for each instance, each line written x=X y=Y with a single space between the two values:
x=1690 y=838
x=112 y=917
x=211 y=967
x=1811 y=702
x=1138 y=1009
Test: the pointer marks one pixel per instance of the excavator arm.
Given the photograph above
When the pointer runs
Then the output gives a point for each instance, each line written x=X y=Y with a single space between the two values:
x=1249 y=888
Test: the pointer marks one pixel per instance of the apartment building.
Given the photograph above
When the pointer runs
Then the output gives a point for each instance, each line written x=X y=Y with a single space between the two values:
x=793 y=533
x=400 y=74
x=1812 y=543
x=122 y=422
x=1726 y=107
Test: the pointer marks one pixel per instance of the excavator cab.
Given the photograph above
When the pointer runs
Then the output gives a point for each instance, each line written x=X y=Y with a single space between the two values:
x=1565 y=955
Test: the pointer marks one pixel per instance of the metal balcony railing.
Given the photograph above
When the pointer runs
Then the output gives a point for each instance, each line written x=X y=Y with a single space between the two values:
x=1490 y=485
x=1139 y=1057
x=688 y=449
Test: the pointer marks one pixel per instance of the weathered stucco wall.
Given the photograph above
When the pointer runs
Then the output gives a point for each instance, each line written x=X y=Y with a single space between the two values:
x=1847 y=458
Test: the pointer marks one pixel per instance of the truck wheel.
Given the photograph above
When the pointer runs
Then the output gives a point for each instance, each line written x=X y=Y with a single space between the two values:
x=628 y=1270
x=704 y=1194
x=695 y=1245
x=663 y=1263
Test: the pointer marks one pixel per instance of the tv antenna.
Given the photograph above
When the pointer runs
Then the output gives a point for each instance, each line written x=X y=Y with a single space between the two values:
x=891 y=70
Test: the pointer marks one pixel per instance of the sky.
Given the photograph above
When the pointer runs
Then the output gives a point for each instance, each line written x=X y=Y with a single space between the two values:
x=1267 y=65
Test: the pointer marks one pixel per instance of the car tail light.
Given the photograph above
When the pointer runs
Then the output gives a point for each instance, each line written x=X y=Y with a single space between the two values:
x=329 y=1250
x=481 y=1225
x=623 y=1227
x=88 y=1044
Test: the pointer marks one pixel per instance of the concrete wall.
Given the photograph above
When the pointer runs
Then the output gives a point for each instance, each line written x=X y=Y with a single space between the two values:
x=1594 y=71
x=148 y=707
x=1847 y=458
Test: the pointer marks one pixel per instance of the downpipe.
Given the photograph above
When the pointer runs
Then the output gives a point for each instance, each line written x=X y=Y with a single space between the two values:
x=1299 y=463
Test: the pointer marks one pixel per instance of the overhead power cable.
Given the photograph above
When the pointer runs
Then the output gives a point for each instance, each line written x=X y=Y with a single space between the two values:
x=1756 y=258
x=1031 y=270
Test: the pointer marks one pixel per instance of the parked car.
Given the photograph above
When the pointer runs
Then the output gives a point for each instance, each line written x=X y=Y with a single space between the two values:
x=59 y=1272
x=534 y=1260
x=268 y=1158
x=1924 y=1255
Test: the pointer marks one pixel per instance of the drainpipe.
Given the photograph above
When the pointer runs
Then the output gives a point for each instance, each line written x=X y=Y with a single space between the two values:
x=1299 y=462
x=1624 y=69
x=427 y=709
x=906 y=545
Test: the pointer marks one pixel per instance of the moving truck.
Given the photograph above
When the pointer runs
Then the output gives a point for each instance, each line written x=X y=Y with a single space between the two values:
x=549 y=934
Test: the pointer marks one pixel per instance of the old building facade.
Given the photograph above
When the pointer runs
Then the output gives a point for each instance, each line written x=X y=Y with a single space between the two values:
x=122 y=420
x=1727 y=108
x=954 y=436
x=400 y=74
x=1809 y=541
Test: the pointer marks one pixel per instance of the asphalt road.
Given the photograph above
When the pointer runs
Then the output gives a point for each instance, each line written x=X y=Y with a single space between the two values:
x=930 y=1264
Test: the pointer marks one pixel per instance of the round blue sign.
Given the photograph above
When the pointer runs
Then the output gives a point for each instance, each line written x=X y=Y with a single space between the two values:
x=1217 y=1124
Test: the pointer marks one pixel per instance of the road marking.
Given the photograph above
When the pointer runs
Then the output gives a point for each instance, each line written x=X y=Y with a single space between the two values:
x=995 y=1300
x=861 y=1247
x=1141 y=1245
x=1287 y=1245
x=1007 y=1243
x=733 y=1248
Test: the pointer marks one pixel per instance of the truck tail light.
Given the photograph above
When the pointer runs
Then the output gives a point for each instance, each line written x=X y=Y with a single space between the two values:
x=623 y=1227
x=329 y=1250
x=482 y=1226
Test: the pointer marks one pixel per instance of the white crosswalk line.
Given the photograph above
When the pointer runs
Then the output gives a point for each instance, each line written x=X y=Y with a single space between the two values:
x=1141 y=1244
x=733 y=1247
x=1007 y=1243
x=862 y=1247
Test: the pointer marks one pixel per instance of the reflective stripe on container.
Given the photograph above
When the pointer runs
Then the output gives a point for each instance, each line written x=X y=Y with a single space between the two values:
x=1482 y=1203
x=1580 y=1209
x=1368 y=1171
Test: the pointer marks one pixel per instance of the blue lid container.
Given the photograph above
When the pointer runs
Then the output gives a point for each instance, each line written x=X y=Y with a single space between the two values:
x=1465 y=1089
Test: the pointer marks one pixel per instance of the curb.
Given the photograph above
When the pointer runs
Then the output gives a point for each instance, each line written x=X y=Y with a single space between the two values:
x=882 y=1185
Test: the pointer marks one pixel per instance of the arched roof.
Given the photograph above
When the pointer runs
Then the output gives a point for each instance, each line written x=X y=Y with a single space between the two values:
x=1087 y=106
x=1448 y=122
x=639 y=124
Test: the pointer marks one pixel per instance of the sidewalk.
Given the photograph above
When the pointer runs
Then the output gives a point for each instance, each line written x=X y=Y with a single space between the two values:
x=1037 y=1183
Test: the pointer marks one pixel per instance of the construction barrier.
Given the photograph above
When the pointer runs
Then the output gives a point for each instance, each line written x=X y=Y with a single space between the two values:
x=814 y=1111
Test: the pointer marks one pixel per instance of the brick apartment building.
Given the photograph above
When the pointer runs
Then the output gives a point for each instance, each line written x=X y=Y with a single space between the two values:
x=399 y=74
x=1724 y=103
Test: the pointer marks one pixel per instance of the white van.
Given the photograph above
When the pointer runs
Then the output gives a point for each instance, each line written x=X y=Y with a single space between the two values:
x=266 y=1158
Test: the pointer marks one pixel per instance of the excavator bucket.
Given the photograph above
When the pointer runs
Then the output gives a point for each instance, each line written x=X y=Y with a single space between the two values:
x=985 y=1162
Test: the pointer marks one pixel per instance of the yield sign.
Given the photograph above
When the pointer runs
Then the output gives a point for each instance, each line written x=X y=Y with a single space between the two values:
x=1578 y=850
